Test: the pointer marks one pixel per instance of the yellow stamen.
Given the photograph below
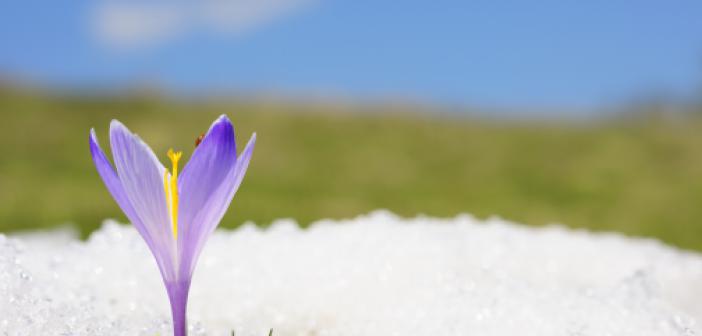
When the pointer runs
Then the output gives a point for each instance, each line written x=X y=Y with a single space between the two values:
x=170 y=186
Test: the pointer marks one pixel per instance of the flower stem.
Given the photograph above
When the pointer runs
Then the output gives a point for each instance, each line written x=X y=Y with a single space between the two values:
x=178 y=296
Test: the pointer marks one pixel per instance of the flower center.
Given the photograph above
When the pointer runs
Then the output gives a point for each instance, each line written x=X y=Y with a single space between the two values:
x=170 y=186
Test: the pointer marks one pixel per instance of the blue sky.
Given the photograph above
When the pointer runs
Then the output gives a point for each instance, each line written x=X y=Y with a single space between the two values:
x=557 y=53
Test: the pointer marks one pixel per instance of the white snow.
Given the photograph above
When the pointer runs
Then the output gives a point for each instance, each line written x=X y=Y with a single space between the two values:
x=373 y=275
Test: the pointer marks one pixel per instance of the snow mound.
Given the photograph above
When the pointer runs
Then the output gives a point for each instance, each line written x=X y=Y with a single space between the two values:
x=373 y=275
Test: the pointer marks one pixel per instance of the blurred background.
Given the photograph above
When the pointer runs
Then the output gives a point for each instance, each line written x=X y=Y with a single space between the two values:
x=585 y=113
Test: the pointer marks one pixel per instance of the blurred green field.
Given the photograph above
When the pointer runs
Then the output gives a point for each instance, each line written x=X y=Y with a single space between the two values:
x=639 y=177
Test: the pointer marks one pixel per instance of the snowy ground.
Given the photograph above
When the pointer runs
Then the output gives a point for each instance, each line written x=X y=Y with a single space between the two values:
x=373 y=275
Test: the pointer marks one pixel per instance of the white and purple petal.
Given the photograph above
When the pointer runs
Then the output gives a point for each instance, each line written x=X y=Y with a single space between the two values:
x=142 y=175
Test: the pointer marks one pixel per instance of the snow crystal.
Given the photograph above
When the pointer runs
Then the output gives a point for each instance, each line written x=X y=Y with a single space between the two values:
x=373 y=275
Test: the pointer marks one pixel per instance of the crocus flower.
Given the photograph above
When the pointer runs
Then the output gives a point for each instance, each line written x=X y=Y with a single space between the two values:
x=174 y=213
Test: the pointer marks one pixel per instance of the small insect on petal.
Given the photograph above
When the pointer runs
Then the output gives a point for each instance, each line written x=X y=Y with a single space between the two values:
x=199 y=139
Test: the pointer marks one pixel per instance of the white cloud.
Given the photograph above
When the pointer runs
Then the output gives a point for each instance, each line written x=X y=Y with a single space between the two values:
x=137 y=24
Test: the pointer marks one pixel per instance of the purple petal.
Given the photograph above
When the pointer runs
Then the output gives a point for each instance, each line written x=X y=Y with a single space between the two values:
x=209 y=165
x=207 y=186
x=141 y=175
x=114 y=186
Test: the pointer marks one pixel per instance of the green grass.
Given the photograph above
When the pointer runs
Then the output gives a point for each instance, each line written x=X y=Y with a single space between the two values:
x=637 y=177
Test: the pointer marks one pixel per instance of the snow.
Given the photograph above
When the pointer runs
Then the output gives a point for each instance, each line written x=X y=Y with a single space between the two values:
x=377 y=274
